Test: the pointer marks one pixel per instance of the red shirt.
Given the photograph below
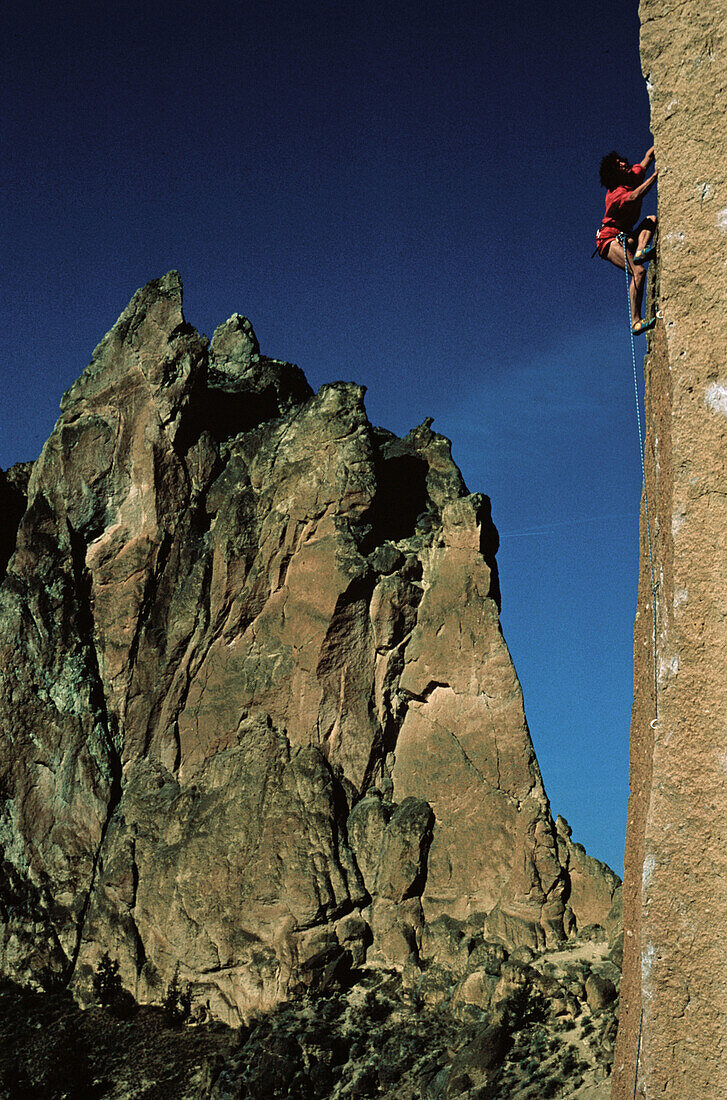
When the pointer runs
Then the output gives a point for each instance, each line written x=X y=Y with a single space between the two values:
x=622 y=212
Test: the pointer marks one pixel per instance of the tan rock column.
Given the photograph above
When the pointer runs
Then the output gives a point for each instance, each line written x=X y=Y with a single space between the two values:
x=675 y=887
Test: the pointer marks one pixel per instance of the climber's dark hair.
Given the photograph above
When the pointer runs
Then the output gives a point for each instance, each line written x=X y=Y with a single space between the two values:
x=611 y=173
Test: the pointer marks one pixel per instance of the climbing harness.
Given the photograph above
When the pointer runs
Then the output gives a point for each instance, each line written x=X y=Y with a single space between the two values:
x=622 y=238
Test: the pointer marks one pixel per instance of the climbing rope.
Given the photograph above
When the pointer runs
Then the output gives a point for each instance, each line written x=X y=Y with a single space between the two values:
x=651 y=565
x=622 y=238
x=638 y=1053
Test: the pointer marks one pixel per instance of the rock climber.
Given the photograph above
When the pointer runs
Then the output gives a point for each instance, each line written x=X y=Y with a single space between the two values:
x=625 y=188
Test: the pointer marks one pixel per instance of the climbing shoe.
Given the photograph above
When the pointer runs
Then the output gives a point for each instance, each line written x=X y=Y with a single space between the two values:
x=643 y=326
x=646 y=253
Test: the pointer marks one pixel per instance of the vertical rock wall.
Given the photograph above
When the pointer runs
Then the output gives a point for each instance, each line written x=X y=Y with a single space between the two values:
x=675 y=888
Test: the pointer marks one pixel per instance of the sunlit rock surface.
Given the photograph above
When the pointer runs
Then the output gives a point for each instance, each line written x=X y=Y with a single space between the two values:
x=258 y=720
x=675 y=901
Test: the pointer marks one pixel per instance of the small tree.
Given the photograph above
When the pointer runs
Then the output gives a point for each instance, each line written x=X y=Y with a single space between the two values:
x=106 y=980
x=177 y=1000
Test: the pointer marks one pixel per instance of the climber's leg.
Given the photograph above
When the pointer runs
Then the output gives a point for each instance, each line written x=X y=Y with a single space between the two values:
x=636 y=292
x=645 y=242
x=615 y=254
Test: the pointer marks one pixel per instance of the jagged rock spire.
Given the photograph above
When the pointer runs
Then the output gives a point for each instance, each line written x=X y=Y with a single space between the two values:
x=257 y=716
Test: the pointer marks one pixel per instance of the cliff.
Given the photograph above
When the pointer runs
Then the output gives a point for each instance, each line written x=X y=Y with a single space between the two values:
x=259 y=722
x=675 y=904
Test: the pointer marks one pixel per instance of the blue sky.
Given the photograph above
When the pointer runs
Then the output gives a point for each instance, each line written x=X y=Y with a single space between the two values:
x=400 y=193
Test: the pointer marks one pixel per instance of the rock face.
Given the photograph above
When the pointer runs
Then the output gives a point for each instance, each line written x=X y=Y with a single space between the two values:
x=675 y=904
x=258 y=720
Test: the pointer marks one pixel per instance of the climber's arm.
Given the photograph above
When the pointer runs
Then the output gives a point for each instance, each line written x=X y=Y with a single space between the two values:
x=640 y=191
x=648 y=157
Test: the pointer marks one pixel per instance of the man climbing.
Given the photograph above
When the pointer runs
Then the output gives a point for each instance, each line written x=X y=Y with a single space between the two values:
x=625 y=188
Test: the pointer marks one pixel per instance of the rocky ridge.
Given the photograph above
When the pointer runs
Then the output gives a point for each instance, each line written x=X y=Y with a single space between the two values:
x=258 y=722
x=672 y=1037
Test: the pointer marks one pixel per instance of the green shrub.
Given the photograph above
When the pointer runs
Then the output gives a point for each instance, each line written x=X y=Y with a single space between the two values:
x=177 y=1002
x=106 y=980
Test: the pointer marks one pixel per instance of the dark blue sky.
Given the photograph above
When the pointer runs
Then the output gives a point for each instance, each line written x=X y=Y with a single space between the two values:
x=403 y=194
